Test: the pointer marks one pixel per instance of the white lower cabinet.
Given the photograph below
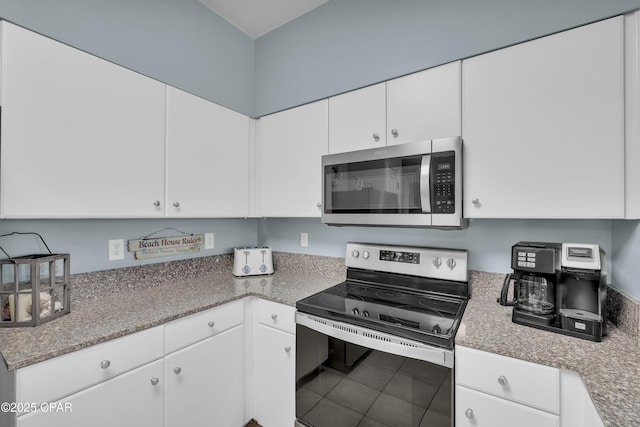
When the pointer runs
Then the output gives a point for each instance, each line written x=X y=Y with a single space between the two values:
x=205 y=382
x=135 y=398
x=274 y=365
x=496 y=391
x=476 y=409
x=493 y=390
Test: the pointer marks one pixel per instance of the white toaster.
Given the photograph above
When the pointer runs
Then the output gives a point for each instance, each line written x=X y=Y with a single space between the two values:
x=252 y=261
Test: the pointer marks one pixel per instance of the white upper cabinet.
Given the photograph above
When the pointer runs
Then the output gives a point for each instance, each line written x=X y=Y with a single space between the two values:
x=357 y=120
x=543 y=127
x=417 y=107
x=81 y=137
x=207 y=158
x=425 y=105
x=289 y=149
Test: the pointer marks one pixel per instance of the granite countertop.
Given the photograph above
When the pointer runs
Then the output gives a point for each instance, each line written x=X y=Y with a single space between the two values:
x=114 y=303
x=609 y=369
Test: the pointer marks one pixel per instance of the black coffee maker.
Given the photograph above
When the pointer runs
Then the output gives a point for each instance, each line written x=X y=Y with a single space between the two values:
x=559 y=287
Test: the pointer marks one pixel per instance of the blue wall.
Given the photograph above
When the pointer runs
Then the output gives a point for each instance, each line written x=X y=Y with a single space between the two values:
x=87 y=240
x=488 y=241
x=179 y=42
x=625 y=238
x=346 y=44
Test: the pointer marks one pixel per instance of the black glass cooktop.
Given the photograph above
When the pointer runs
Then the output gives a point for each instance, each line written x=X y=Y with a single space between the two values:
x=414 y=313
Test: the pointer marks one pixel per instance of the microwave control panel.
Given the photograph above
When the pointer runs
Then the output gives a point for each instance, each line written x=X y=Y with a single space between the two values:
x=443 y=182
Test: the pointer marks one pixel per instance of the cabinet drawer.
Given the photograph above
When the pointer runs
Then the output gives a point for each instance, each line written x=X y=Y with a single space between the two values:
x=279 y=316
x=189 y=330
x=55 y=378
x=475 y=409
x=523 y=382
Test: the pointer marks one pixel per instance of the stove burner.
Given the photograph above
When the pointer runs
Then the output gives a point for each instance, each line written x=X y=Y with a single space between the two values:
x=389 y=295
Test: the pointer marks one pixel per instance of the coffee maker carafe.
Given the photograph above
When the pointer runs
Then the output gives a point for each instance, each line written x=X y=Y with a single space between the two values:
x=559 y=287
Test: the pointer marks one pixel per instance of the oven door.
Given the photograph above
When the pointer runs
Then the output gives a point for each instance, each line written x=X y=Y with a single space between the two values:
x=347 y=375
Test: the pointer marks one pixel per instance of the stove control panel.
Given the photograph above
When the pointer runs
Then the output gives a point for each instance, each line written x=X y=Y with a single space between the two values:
x=399 y=256
x=437 y=263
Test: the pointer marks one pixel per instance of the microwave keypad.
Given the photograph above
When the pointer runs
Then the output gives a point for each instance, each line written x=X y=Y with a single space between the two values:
x=444 y=186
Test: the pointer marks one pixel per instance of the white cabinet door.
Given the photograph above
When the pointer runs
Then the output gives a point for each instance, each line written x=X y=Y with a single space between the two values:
x=357 y=120
x=274 y=376
x=135 y=398
x=475 y=409
x=207 y=158
x=523 y=382
x=543 y=127
x=205 y=382
x=289 y=148
x=81 y=137
x=425 y=105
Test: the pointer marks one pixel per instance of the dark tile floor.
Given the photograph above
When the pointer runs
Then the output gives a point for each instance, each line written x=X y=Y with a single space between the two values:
x=382 y=391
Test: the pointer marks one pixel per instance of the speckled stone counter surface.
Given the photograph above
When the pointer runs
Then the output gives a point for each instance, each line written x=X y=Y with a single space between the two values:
x=110 y=304
x=114 y=303
x=609 y=369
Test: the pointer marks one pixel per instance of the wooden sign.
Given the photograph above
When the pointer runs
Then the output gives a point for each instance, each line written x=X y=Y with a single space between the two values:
x=165 y=246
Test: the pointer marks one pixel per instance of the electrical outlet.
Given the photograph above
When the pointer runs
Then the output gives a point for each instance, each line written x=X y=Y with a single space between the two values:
x=208 y=241
x=304 y=240
x=116 y=249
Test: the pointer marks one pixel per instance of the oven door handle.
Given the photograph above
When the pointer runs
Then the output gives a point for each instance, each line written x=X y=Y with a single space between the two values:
x=376 y=340
x=425 y=183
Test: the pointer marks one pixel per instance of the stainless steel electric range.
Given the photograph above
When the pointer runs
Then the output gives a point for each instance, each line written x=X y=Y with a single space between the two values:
x=377 y=349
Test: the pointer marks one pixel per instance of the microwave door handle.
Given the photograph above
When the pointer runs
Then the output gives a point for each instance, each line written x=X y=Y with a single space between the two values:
x=425 y=183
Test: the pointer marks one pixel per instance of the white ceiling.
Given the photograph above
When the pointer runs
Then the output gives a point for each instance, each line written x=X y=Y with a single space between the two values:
x=258 y=17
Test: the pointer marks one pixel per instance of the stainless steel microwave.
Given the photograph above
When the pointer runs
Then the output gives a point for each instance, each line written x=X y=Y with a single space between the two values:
x=408 y=185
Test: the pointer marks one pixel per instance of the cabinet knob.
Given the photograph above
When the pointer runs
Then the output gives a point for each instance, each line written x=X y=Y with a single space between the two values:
x=469 y=413
x=475 y=201
x=502 y=380
x=211 y=324
x=287 y=349
x=394 y=132
x=319 y=204
x=156 y=203
x=176 y=204
x=274 y=316
x=376 y=137
x=155 y=381
x=105 y=364
x=177 y=370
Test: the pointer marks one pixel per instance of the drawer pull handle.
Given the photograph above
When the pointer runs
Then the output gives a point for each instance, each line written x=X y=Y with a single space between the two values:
x=154 y=381
x=211 y=324
x=502 y=380
x=105 y=364
x=469 y=413
x=177 y=370
x=274 y=316
x=287 y=349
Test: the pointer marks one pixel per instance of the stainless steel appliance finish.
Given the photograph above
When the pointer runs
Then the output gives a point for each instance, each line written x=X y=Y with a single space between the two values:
x=408 y=185
x=378 y=347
